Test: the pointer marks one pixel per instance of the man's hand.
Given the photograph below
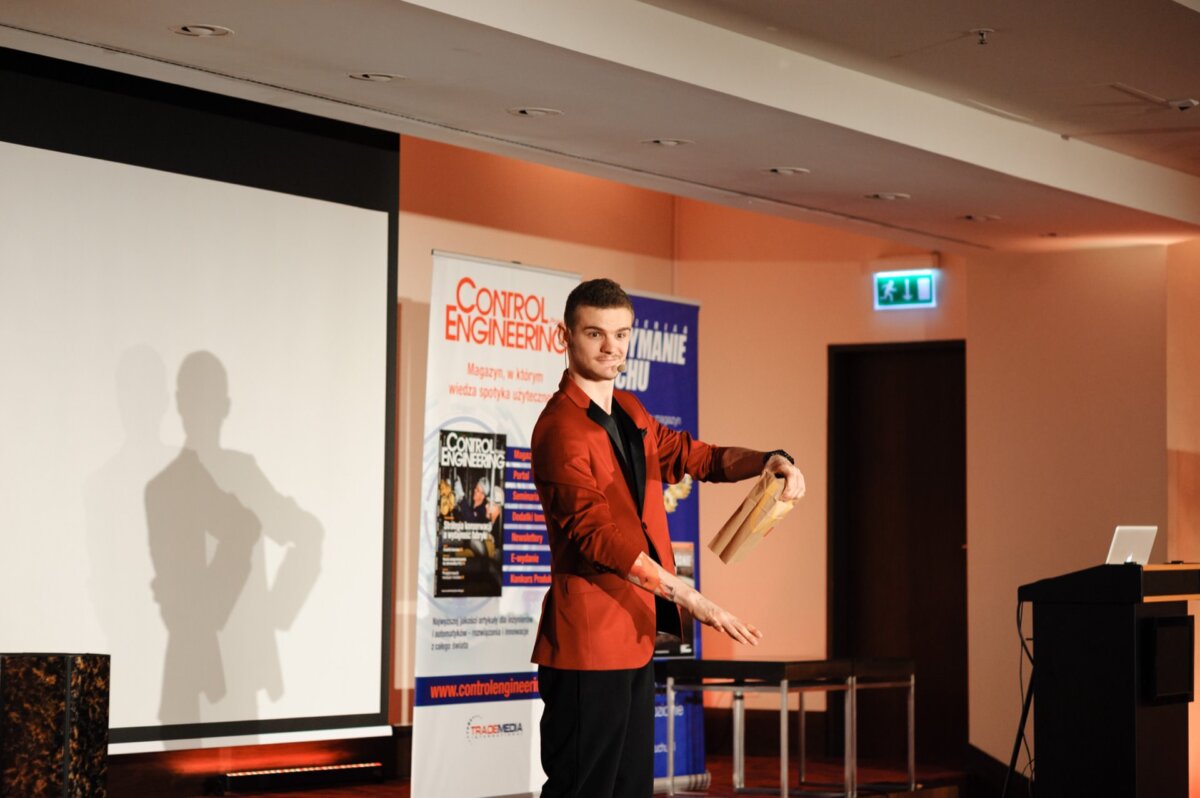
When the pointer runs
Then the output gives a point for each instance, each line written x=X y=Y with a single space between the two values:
x=710 y=614
x=738 y=464
x=653 y=577
x=793 y=480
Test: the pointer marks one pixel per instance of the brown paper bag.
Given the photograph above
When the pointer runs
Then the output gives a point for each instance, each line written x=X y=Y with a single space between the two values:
x=758 y=514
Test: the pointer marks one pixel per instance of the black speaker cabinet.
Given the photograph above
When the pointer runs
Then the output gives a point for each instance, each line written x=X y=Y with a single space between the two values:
x=54 y=725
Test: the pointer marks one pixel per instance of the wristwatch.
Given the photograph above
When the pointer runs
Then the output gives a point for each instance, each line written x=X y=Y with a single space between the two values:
x=781 y=453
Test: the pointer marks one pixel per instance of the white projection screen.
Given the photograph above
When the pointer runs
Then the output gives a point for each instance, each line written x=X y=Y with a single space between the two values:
x=196 y=428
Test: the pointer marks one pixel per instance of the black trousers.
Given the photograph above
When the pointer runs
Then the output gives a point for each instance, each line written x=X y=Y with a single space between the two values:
x=597 y=732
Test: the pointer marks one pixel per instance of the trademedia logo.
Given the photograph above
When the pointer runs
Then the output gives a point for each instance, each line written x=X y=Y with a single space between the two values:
x=478 y=729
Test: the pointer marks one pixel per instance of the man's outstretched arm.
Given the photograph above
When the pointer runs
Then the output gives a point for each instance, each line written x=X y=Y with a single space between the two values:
x=648 y=574
x=738 y=464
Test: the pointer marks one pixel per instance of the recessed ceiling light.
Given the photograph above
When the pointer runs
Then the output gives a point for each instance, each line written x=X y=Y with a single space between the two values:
x=668 y=142
x=376 y=77
x=528 y=110
x=979 y=217
x=888 y=195
x=982 y=34
x=788 y=171
x=202 y=30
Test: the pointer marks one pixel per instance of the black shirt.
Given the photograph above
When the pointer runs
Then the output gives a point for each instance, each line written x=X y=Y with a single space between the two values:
x=626 y=438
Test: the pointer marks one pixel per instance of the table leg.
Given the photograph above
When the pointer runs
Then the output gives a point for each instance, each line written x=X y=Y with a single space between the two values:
x=800 y=734
x=851 y=736
x=670 y=735
x=912 y=730
x=783 y=738
x=739 y=740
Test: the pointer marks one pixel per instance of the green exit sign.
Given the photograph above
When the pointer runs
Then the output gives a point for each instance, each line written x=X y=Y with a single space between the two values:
x=915 y=288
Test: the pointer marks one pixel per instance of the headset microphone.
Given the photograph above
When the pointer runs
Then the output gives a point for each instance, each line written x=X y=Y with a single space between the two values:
x=621 y=367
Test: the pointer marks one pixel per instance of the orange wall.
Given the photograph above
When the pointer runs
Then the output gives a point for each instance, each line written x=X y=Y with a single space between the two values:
x=1067 y=383
x=1066 y=425
x=774 y=295
x=1183 y=433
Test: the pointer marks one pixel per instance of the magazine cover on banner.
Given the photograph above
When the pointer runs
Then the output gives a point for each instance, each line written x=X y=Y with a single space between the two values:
x=484 y=562
x=661 y=370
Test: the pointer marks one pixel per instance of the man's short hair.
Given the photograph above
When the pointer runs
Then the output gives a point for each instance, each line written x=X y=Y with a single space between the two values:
x=599 y=293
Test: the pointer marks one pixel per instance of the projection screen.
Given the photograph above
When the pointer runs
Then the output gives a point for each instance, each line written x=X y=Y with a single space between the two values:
x=197 y=425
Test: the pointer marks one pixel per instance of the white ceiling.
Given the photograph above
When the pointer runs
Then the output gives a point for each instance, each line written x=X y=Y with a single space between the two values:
x=1061 y=124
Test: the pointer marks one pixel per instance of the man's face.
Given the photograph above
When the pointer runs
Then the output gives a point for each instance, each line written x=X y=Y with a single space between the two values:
x=477 y=496
x=599 y=341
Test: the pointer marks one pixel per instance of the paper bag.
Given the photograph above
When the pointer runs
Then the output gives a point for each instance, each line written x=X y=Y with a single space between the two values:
x=758 y=514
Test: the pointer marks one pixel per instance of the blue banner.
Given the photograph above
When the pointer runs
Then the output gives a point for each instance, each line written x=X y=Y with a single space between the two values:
x=661 y=370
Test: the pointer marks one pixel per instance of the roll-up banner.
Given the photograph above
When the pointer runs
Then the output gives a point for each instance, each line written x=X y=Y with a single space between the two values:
x=484 y=560
x=661 y=371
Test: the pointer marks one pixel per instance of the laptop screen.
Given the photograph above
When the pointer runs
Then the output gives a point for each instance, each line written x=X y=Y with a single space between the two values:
x=1131 y=544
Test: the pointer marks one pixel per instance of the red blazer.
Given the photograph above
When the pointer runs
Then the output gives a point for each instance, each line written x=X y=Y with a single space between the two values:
x=593 y=618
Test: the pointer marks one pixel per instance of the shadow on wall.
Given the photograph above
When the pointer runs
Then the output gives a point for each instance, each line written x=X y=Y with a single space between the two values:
x=210 y=513
x=119 y=583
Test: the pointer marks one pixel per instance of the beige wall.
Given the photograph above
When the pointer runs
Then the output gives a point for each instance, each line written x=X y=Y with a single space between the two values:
x=1068 y=360
x=1183 y=433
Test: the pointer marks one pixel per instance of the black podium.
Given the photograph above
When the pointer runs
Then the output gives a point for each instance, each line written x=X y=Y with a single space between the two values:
x=1113 y=675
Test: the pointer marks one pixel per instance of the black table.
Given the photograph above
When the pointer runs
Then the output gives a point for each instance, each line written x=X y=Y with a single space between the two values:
x=741 y=676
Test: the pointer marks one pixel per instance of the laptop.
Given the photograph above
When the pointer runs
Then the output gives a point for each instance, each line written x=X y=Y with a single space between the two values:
x=1131 y=544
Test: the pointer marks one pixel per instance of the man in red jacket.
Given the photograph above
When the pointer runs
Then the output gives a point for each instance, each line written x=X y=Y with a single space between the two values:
x=599 y=464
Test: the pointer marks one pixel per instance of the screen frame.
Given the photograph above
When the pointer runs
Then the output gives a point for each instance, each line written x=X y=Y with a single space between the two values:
x=80 y=110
